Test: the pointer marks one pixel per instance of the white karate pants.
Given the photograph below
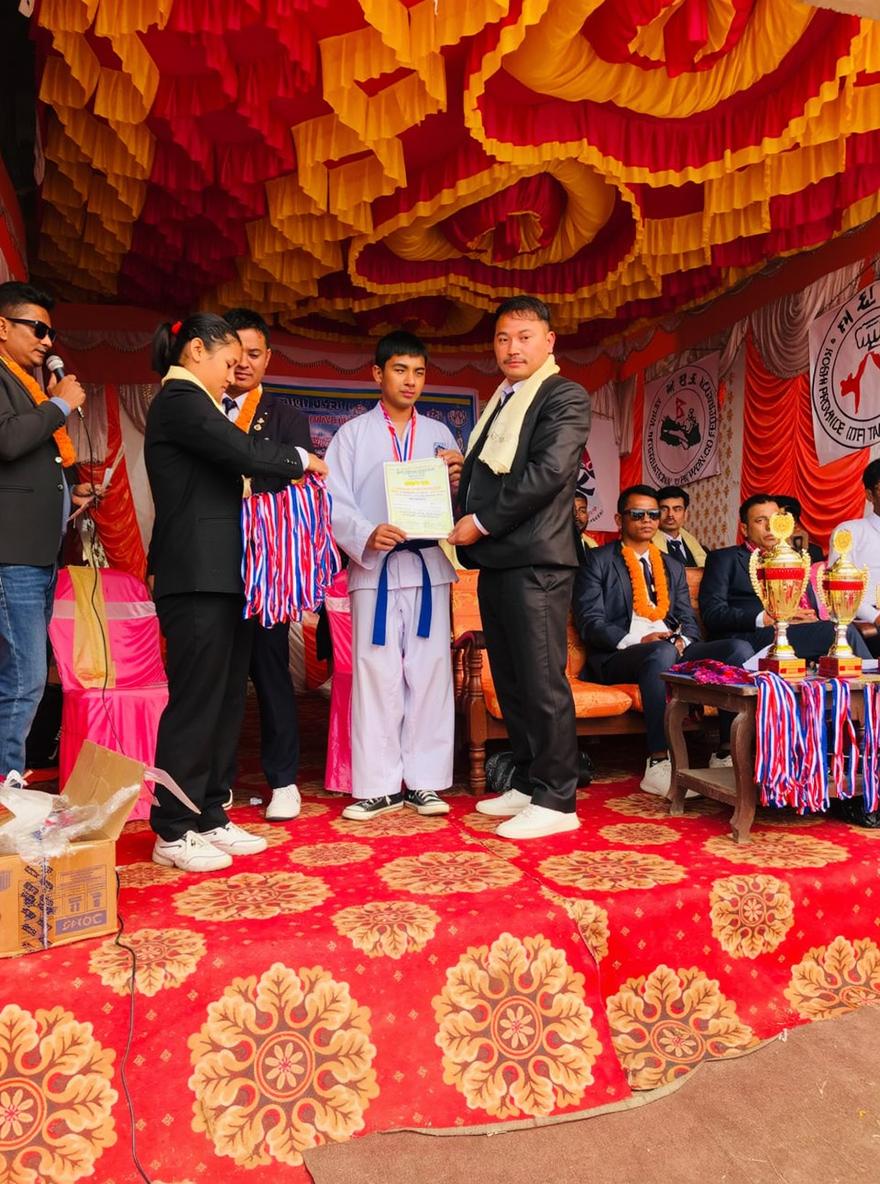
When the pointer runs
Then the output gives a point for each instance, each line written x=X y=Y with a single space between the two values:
x=402 y=710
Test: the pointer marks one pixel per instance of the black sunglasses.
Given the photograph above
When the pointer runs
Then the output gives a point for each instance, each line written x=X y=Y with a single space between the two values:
x=638 y=515
x=40 y=328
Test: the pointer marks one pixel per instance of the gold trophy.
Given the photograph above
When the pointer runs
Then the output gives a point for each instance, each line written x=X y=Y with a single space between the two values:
x=841 y=587
x=780 y=578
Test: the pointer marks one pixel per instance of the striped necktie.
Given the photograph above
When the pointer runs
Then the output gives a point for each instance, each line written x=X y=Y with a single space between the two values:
x=649 y=578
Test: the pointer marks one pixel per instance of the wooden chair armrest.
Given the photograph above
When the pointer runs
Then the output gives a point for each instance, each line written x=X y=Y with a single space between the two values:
x=473 y=639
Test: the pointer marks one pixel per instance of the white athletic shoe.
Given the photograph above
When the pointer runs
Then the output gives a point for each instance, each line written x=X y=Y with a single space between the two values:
x=658 y=778
x=285 y=804
x=536 y=822
x=506 y=805
x=720 y=762
x=234 y=840
x=191 y=853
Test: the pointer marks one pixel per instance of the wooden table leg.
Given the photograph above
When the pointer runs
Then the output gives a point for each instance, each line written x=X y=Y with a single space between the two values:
x=742 y=743
x=676 y=711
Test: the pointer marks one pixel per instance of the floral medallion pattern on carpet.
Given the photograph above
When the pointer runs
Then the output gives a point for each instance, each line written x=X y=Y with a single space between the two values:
x=412 y=972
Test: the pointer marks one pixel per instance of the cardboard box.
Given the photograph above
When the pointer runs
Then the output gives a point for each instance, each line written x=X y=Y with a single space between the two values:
x=52 y=902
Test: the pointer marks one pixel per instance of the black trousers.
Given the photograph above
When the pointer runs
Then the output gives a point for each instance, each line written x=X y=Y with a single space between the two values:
x=524 y=612
x=645 y=662
x=279 y=729
x=209 y=649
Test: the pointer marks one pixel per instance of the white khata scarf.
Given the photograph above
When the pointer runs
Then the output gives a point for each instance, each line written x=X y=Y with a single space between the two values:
x=501 y=444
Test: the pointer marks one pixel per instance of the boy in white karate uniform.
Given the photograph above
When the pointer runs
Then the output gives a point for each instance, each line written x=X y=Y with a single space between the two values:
x=402 y=714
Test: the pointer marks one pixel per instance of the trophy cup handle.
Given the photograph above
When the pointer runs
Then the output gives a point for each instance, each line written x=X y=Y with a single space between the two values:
x=806 y=558
x=753 y=576
x=820 y=587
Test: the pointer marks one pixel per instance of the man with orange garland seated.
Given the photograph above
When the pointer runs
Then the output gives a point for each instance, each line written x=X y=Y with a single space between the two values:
x=632 y=608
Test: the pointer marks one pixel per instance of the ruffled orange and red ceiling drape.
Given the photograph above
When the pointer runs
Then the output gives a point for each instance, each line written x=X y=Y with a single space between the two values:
x=348 y=165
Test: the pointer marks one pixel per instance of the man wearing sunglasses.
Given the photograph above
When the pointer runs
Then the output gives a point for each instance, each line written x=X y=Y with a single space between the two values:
x=36 y=490
x=633 y=610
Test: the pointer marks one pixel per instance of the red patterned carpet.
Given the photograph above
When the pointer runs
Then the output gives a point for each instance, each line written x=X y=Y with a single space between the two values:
x=421 y=973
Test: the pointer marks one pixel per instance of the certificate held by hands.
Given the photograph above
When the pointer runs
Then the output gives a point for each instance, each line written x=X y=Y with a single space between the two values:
x=418 y=498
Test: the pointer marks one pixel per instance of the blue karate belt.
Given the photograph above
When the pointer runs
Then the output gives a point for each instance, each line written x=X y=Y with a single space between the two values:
x=381 y=614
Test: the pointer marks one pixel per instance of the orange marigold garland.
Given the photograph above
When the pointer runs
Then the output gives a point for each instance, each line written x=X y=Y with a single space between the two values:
x=641 y=601
x=30 y=384
x=248 y=409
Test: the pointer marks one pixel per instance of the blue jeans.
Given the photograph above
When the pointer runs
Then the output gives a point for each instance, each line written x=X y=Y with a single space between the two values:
x=26 y=595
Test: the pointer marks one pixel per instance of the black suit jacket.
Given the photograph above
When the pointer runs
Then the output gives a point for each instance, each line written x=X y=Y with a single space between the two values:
x=31 y=477
x=527 y=511
x=195 y=459
x=278 y=421
x=603 y=603
x=728 y=603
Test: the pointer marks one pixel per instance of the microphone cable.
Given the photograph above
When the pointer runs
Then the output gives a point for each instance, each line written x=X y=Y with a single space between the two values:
x=132 y=985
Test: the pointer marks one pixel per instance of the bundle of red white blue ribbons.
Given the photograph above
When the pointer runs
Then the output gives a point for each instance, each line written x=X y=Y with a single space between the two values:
x=797 y=763
x=289 y=553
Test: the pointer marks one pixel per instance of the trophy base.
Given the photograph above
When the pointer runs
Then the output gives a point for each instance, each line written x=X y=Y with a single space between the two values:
x=791 y=668
x=832 y=667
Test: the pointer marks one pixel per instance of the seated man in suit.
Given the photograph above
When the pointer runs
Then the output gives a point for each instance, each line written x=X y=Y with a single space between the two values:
x=581 y=514
x=731 y=608
x=672 y=537
x=632 y=608
x=800 y=540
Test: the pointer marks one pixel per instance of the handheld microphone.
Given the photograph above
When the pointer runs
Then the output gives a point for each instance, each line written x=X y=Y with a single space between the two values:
x=55 y=366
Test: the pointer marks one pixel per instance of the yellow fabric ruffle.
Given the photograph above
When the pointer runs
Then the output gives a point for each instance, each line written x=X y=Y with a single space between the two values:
x=92 y=660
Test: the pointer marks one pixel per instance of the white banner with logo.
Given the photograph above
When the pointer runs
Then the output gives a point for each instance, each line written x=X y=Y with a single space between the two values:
x=680 y=443
x=845 y=376
x=599 y=474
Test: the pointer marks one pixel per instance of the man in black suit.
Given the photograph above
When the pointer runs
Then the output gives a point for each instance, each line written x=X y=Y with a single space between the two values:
x=731 y=608
x=635 y=627
x=672 y=537
x=516 y=492
x=280 y=422
x=800 y=540
x=580 y=513
x=36 y=491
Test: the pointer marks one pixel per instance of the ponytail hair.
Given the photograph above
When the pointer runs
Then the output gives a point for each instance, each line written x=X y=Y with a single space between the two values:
x=170 y=339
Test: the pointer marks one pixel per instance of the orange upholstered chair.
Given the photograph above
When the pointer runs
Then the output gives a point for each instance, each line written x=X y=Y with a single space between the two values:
x=600 y=710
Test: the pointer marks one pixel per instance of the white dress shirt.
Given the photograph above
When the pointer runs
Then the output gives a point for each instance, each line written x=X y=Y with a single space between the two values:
x=640 y=627
x=865 y=553
x=511 y=390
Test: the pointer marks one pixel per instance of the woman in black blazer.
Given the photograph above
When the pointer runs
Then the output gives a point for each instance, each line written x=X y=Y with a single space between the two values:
x=195 y=460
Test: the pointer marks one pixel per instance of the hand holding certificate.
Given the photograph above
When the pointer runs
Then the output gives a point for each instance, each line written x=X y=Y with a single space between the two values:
x=418 y=498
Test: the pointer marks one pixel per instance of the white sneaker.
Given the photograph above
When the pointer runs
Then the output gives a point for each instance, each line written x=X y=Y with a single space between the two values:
x=720 y=762
x=235 y=840
x=506 y=805
x=535 y=822
x=657 y=778
x=191 y=853
x=285 y=804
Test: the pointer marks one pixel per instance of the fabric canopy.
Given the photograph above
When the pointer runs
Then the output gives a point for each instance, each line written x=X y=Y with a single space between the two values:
x=350 y=165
